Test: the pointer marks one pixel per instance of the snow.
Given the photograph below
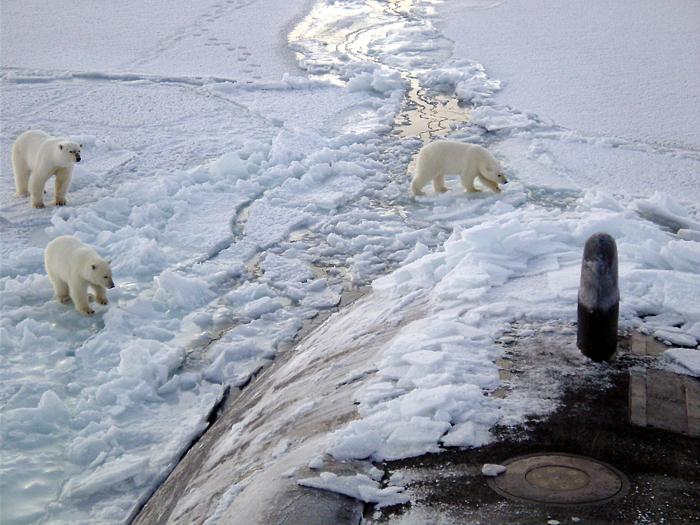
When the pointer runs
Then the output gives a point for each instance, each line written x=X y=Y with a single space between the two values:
x=632 y=64
x=239 y=192
x=465 y=78
x=359 y=487
x=683 y=360
x=155 y=38
x=491 y=470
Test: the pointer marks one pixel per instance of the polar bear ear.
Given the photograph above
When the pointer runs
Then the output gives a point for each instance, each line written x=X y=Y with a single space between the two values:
x=109 y=261
x=81 y=146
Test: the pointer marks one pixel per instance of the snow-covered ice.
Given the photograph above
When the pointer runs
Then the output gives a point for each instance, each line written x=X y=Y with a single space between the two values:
x=621 y=70
x=239 y=185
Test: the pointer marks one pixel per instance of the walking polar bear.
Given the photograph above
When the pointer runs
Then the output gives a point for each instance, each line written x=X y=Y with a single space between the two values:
x=469 y=161
x=72 y=267
x=36 y=156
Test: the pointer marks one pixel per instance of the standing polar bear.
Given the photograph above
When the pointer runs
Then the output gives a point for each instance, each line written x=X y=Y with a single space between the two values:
x=72 y=267
x=469 y=161
x=37 y=156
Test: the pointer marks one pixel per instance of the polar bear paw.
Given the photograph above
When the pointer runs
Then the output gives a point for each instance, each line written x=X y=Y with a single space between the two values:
x=98 y=298
x=61 y=202
x=86 y=311
x=22 y=194
x=38 y=205
x=63 y=299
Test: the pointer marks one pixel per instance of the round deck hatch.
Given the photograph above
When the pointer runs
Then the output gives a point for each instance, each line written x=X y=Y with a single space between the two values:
x=560 y=479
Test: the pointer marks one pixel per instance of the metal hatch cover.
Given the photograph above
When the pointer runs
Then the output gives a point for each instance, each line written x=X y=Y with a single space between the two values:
x=560 y=479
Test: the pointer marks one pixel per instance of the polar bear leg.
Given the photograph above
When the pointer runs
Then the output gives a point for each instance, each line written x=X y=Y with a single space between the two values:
x=37 y=181
x=78 y=293
x=21 y=171
x=417 y=185
x=439 y=184
x=63 y=177
x=100 y=294
x=490 y=184
x=60 y=288
x=468 y=183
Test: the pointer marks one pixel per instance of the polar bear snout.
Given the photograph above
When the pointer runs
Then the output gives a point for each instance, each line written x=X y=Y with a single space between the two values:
x=110 y=284
x=77 y=157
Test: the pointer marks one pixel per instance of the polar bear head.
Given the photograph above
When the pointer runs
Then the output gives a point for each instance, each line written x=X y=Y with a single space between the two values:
x=68 y=153
x=99 y=273
x=493 y=171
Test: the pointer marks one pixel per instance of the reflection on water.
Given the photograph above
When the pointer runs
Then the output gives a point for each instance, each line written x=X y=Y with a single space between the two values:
x=428 y=117
x=343 y=32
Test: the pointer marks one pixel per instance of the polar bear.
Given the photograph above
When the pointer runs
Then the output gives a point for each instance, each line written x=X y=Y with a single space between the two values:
x=447 y=157
x=72 y=267
x=37 y=156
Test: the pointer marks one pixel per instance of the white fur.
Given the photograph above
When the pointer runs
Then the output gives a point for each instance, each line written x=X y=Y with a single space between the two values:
x=469 y=161
x=37 y=156
x=72 y=267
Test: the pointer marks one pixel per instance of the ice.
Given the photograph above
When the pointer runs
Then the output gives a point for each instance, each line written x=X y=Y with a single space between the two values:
x=496 y=118
x=316 y=463
x=47 y=417
x=179 y=292
x=690 y=235
x=491 y=470
x=468 y=434
x=683 y=360
x=527 y=42
x=126 y=468
x=280 y=269
x=153 y=40
x=675 y=336
x=379 y=80
x=465 y=78
x=664 y=210
x=359 y=487
x=423 y=357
